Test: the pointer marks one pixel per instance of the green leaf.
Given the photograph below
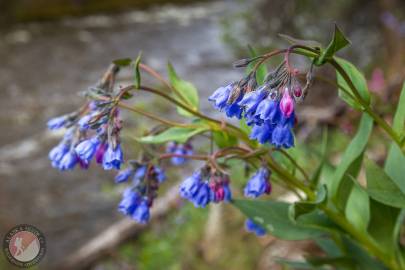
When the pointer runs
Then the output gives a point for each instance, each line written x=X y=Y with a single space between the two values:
x=360 y=256
x=338 y=42
x=382 y=188
x=261 y=72
x=223 y=139
x=399 y=118
x=338 y=262
x=247 y=129
x=124 y=62
x=295 y=264
x=137 y=73
x=329 y=246
x=358 y=208
x=382 y=225
x=185 y=91
x=317 y=174
x=304 y=207
x=273 y=216
x=177 y=134
x=350 y=164
x=394 y=164
x=305 y=42
x=358 y=81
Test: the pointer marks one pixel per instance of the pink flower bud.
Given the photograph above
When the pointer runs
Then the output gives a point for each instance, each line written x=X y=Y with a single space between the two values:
x=268 y=188
x=220 y=194
x=297 y=91
x=286 y=104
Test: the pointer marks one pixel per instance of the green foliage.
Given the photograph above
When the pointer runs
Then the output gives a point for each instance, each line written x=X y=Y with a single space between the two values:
x=224 y=139
x=261 y=72
x=303 y=207
x=358 y=80
x=338 y=42
x=274 y=217
x=137 y=73
x=350 y=164
x=177 y=134
x=185 y=91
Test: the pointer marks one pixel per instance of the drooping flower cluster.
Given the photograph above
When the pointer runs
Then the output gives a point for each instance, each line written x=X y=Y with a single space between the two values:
x=258 y=184
x=179 y=149
x=253 y=227
x=92 y=131
x=138 y=198
x=204 y=187
x=268 y=108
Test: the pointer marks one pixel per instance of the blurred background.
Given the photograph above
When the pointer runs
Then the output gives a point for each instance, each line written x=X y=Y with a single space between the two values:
x=52 y=49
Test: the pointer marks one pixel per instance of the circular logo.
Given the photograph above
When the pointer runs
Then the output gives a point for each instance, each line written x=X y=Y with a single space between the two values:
x=24 y=245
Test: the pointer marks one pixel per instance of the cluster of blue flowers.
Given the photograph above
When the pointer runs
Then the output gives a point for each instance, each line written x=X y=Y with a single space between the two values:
x=138 y=198
x=258 y=184
x=203 y=187
x=179 y=149
x=269 y=108
x=89 y=133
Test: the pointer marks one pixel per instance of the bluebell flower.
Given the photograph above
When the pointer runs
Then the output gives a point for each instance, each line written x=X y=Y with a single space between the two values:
x=252 y=119
x=189 y=187
x=69 y=161
x=113 y=158
x=268 y=110
x=219 y=98
x=282 y=136
x=57 y=153
x=159 y=174
x=258 y=184
x=234 y=110
x=228 y=193
x=202 y=196
x=83 y=122
x=139 y=175
x=57 y=122
x=141 y=213
x=87 y=148
x=177 y=161
x=124 y=175
x=251 y=226
x=130 y=201
x=251 y=100
x=262 y=133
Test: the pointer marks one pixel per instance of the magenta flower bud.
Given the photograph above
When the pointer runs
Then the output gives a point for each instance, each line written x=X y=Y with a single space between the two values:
x=298 y=91
x=286 y=104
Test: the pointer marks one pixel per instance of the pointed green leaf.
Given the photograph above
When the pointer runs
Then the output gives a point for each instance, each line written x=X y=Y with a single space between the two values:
x=304 y=207
x=350 y=164
x=394 y=164
x=382 y=188
x=338 y=42
x=137 y=73
x=273 y=216
x=224 y=139
x=177 y=134
x=358 y=208
x=358 y=81
x=185 y=90
x=124 y=62
x=382 y=225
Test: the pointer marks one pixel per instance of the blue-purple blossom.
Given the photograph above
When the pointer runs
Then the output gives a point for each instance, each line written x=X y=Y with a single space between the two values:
x=251 y=100
x=159 y=174
x=83 y=122
x=139 y=174
x=141 y=213
x=202 y=196
x=282 y=136
x=124 y=175
x=57 y=122
x=258 y=184
x=68 y=161
x=253 y=227
x=268 y=110
x=113 y=158
x=220 y=98
x=87 y=148
x=57 y=153
x=190 y=185
x=262 y=133
x=130 y=201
